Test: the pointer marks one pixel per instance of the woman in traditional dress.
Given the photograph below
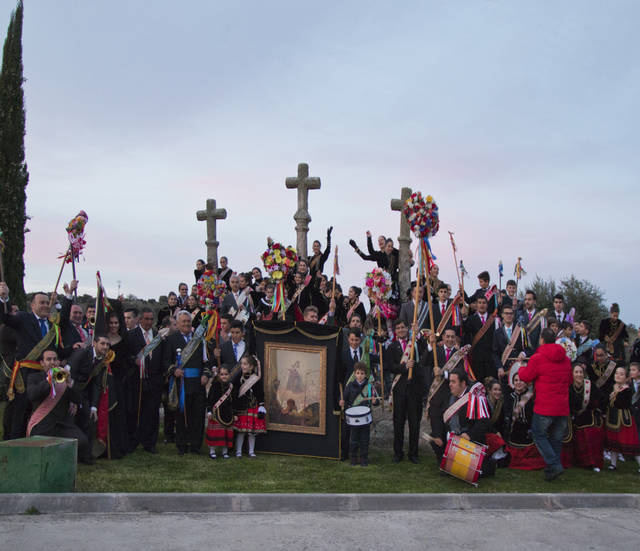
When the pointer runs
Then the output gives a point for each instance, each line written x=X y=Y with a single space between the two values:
x=495 y=439
x=621 y=433
x=220 y=414
x=523 y=451
x=248 y=405
x=586 y=420
x=352 y=304
x=117 y=445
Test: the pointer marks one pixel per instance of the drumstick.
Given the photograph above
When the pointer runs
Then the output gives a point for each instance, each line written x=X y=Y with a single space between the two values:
x=428 y=437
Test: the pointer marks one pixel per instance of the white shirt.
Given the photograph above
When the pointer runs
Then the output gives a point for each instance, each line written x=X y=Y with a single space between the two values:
x=238 y=349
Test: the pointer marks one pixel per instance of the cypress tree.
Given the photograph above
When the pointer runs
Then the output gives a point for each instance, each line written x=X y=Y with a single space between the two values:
x=13 y=169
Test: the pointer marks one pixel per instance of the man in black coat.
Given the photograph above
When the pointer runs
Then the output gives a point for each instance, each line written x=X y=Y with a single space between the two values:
x=407 y=393
x=31 y=328
x=482 y=348
x=150 y=373
x=193 y=375
x=56 y=418
x=439 y=379
x=86 y=366
x=501 y=338
x=440 y=306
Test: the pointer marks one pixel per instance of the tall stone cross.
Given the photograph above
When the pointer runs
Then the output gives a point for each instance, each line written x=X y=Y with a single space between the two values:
x=303 y=184
x=404 y=241
x=212 y=215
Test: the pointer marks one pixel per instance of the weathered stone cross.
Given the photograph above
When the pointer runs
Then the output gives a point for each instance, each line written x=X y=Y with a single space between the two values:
x=303 y=184
x=211 y=215
x=404 y=241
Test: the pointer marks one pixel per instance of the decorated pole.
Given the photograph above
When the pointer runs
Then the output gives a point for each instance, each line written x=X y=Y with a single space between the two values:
x=455 y=262
x=518 y=271
x=2 y=266
x=415 y=317
x=379 y=287
x=278 y=262
x=336 y=271
x=500 y=274
x=424 y=220
x=211 y=292
x=75 y=233
x=463 y=274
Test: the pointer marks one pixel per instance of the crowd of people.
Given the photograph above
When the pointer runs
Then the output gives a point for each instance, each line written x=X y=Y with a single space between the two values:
x=539 y=389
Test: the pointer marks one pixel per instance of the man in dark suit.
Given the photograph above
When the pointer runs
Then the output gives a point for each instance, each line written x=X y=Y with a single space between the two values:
x=440 y=306
x=148 y=398
x=483 y=280
x=482 y=362
x=74 y=335
x=232 y=350
x=192 y=375
x=407 y=393
x=510 y=298
x=54 y=415
x=30 y=329
x=529 y=310
x=501 y=338
x=84 y=366
x=440 y=400
x=406 y=310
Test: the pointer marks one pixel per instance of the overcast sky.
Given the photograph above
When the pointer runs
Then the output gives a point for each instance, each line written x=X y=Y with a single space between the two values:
x=520 y=118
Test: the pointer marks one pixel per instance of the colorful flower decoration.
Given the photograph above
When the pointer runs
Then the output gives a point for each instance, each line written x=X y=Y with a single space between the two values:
x=569 y=347
x=210 y=290
x=378 y=284
x=279 y=260
x=75 y=232
x=422 y=215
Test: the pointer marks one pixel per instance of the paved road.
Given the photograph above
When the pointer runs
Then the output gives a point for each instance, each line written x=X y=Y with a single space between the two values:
x=581 y=529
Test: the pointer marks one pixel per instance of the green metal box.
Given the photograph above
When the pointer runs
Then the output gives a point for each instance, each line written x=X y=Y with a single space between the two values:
x=38 y=464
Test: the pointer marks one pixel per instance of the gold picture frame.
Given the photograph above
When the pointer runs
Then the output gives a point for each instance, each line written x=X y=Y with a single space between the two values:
x=295 y=388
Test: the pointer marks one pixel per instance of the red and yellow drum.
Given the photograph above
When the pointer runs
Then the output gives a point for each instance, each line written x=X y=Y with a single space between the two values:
x=463 y=459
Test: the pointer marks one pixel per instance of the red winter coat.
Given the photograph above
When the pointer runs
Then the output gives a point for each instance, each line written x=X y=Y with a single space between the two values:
x=550 y=369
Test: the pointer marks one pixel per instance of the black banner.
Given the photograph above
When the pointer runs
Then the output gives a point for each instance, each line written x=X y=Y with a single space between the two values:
x=301 y=388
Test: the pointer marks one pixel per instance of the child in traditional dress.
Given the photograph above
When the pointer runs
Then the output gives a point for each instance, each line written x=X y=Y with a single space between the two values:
x=248 y=405
x=634 y=373
x=359 y=391
x=220 y=414
x=621 y=432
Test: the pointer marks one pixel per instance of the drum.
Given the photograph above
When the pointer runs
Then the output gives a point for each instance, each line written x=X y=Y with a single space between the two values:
x=358 y=416
x=463 y=459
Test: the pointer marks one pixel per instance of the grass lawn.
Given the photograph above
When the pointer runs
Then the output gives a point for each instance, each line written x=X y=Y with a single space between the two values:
x=167 y=472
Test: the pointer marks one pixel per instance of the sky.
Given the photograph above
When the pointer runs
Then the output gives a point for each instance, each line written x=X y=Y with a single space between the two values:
x=520 y=118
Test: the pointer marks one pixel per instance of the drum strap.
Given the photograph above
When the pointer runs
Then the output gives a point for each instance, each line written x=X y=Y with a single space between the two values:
x=455 y=407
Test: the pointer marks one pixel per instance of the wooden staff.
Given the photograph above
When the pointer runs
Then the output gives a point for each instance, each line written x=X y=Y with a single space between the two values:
x=342 y=400
x=55 y=289
x=73 y=269
x=455 y=260
x=381 y=361
x=415 y=317
x=433 y=332
x=2 y=270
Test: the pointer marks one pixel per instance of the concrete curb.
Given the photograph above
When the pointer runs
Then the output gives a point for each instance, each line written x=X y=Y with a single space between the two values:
x=11 y=504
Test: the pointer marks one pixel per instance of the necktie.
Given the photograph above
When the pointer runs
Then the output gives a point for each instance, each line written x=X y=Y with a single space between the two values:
x=43 y=327
x=404 y=344
x=508 y=330
x=448 y=353
x=530 y=315
x=146 y=337
x=81 y=333
x=235 y=350
x=355 y=355
x=443 y=308
x=482 y=319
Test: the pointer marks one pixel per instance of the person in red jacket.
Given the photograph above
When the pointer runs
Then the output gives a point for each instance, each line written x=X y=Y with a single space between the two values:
x=550 y=370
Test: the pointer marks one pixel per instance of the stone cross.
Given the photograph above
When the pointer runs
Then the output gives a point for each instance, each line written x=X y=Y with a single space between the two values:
x=404 y=241
x=211 y=215
x=303 y=184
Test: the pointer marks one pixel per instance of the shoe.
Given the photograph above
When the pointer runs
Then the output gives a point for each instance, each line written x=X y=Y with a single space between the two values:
x=364 y=462
x=612 y=468
x=596 y=469
x=251 y=454
x=354 y=461
x=151 y=450
x=238 y=455
x=414 y=460
x=213 y=455
x=621 y=458
x=225 y=456
x=397 y=458
x=551 y=474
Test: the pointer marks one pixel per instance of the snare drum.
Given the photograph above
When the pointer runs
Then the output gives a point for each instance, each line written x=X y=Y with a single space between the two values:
x=358 y=416
x=463 y=459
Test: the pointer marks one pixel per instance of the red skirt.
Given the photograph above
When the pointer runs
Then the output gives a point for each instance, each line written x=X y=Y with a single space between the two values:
x=248 y=421
x=218 y=435
x=526 y=458
x=494 y=443
x=624 y=440
x=588 y=446
x=566 y=455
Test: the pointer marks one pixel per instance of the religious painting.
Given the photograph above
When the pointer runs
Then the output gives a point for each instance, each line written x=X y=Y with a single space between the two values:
x=295 y=388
